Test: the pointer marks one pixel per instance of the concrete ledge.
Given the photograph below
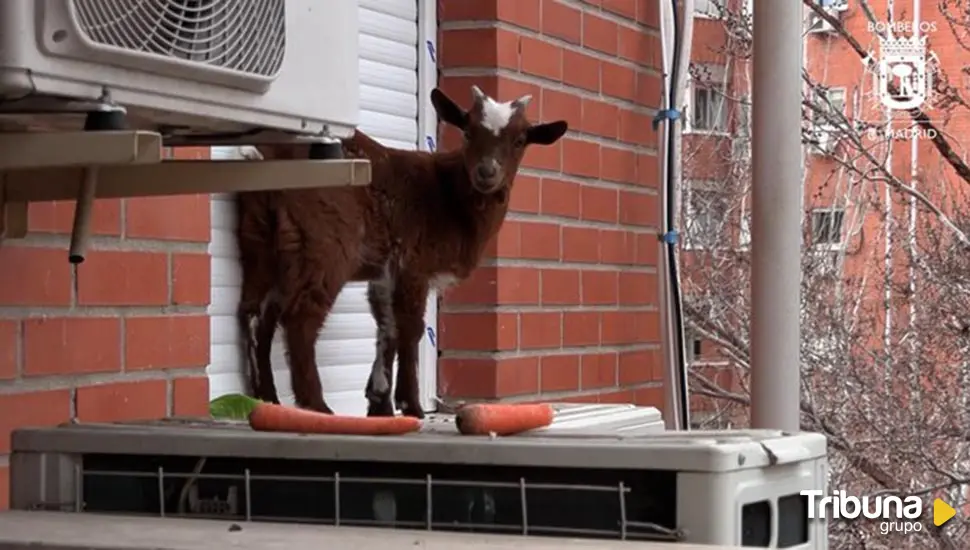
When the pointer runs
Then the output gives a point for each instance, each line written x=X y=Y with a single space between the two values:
x=65 y=531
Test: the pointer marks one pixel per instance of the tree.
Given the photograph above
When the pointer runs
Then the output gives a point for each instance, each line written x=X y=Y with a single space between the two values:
x=885 y=352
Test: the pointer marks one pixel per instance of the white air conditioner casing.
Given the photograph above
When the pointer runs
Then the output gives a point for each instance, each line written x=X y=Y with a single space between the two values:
x=615 y=462
x=192 y=66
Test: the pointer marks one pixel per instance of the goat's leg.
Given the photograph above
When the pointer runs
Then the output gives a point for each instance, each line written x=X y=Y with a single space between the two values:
x=269 y=318
x=380 y=295
x=410 y=301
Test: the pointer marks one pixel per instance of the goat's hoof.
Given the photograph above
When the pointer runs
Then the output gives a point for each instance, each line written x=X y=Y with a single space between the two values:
x=415 y=412
x=380 y=407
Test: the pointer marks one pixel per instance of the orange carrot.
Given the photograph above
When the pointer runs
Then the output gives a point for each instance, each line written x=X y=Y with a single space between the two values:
x=269 y=417
x=502 y=419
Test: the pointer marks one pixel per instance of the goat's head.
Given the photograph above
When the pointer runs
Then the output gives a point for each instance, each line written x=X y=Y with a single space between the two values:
x=496 y=136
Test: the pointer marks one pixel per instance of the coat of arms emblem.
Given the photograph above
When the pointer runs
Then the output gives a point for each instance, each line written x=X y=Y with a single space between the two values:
x=903 y=79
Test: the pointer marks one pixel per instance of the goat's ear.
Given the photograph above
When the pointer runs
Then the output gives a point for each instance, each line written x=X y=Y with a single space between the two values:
x=447 y=110
x=549 y=133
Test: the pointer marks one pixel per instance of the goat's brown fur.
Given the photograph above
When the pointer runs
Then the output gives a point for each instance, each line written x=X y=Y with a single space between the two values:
x=423 y=219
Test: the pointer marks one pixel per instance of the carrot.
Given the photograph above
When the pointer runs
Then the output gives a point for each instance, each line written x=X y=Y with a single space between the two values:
x=502 y=419
x=269 y=417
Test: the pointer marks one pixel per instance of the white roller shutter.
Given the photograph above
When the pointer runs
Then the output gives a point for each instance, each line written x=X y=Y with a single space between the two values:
x=392 y=41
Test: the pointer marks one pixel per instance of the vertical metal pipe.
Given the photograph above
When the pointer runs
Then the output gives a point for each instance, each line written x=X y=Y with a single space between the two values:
x=776 y=235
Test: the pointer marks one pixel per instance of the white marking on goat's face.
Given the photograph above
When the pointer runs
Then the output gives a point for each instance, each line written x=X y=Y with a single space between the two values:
x=495 y=115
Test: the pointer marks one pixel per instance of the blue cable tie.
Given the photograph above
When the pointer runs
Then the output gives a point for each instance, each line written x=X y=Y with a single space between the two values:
x=665 y=114
x=670 y=237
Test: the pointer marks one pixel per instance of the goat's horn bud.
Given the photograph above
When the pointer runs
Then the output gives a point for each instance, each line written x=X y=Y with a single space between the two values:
x=478 y=94
x=523 y=101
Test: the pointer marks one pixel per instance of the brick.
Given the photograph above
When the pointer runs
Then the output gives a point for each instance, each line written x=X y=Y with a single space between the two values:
x=517 y=376
x=618 y=165
x=540 y=58
x=559 y=373
x=617 y=247
x=112 y=278
x=175 y=341
x=8 y=349
x=523 y=14
x=497 y=286
x=58 y=217
x=561 y=21
x=638 y=47
x=510 y=88
x=187 y=153
x=619 y=81
x=638 y=367
x=560 y=287
x=648 y=13
x=581 y=70
x=625 y=8
x=638 y=289
x=191 y=279
x=540 y=241
x=647 y=249
x=4 y=488
x=176 y=218
x=493 y=48
x=647 y=170
x=32 y=409
x=650 y=397
x=599 y=287
x=558 y=105
x=143 y=400
x=580 y=328
x=581 y=158
x=190 y=396
x=599 y=204
x=648 y=90
x=525 y=194
x=540 y=330
x=72 y=345
x=479 y=331
x=637 y=129
x=487 y=378
x=34 y=276
x=560 y=198
x=598 y=371
x=639 y=209
x=580 y=244
x=462 y=10
x=599 y=34
x=601 y=119
x=544 y=157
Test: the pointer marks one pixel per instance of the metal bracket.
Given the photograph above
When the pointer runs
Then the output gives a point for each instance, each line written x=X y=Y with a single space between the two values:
x=37 y=167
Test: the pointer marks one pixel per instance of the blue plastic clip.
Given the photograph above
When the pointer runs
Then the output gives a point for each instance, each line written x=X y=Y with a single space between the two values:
x=670 y=237
x=665 y=114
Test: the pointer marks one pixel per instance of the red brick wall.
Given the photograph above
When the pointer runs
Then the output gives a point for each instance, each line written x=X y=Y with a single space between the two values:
x=131 y=342
x=565 y=306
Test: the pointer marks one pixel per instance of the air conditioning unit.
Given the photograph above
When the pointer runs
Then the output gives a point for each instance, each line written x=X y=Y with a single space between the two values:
x=818 y=25
x=184 y=66
x=825 y=140
x=599 y=472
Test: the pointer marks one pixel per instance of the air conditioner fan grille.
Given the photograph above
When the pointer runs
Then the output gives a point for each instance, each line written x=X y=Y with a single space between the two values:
x=247 y=36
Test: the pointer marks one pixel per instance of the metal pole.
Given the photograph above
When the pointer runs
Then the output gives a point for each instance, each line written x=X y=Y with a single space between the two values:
x=776 y=234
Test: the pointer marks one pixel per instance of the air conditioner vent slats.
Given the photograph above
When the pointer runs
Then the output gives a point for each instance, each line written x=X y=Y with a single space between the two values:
x=247 y=36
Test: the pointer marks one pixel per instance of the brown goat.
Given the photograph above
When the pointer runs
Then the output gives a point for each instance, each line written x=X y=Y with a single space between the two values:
x=424 y=221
